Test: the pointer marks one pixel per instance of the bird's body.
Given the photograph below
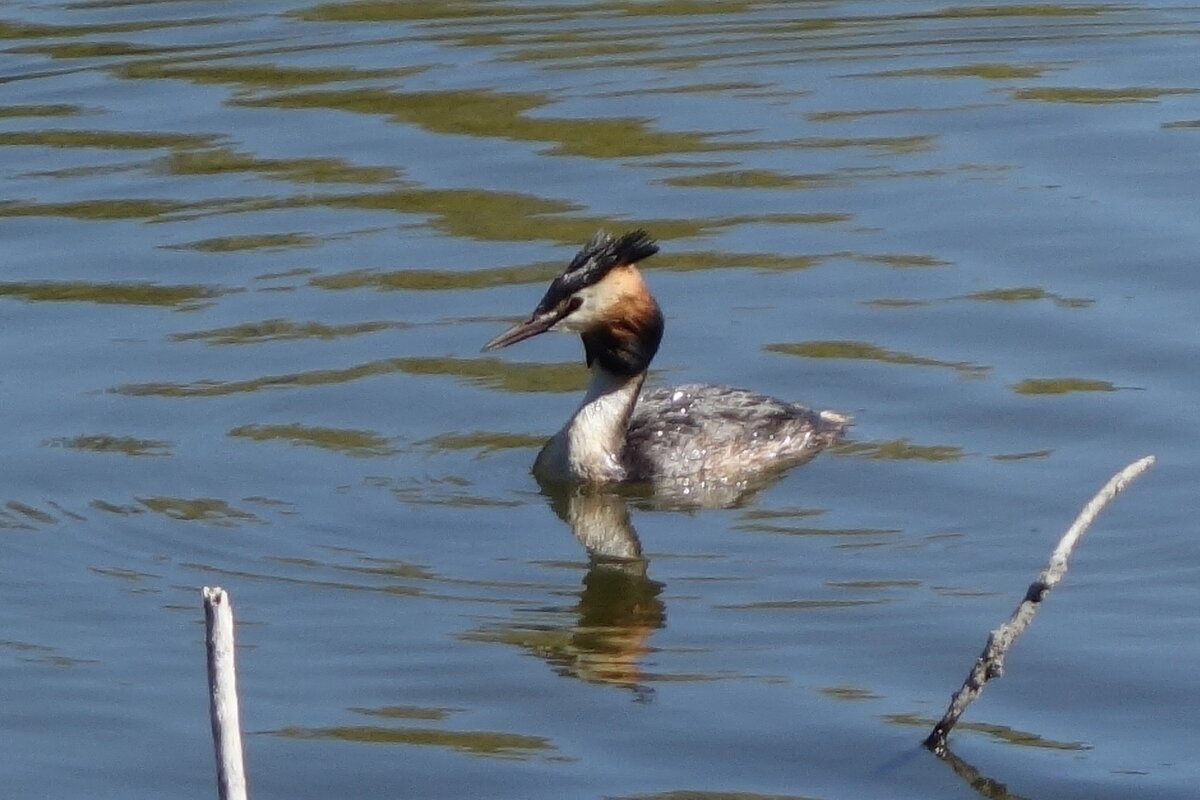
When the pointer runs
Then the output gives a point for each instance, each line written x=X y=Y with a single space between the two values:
x=698 y=430
x=694 y=433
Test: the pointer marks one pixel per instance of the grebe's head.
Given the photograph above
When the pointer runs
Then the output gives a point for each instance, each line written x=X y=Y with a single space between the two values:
x=602 y=297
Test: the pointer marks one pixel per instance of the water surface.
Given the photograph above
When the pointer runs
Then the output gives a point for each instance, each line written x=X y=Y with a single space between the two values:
x=251 y=253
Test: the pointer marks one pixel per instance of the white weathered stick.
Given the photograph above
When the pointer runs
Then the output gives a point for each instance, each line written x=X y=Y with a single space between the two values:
x=222 y=694
x=990 y=663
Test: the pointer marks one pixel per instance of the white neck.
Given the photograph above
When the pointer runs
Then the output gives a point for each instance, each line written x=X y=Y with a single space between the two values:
x=589 y=446
x=599 y=518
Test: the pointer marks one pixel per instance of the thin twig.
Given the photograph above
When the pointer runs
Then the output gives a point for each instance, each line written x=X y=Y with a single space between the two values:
x=990 y=663
x=222 y=695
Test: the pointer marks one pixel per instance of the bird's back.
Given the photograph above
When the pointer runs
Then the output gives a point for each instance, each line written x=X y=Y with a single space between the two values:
x=703 y=432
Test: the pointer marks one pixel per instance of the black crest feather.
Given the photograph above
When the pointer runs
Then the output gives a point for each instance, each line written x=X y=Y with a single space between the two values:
x=602 y=252
x=595 y=260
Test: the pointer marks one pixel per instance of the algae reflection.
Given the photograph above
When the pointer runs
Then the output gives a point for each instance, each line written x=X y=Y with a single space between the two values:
x=490 y=744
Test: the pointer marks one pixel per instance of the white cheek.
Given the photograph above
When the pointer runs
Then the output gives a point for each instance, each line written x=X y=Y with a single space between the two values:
x=583 y=318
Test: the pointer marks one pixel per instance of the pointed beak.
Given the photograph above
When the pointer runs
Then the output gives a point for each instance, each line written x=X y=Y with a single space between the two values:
x=537 y=323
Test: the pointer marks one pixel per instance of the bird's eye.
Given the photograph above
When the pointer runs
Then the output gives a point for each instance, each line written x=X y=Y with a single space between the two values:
x=572 y=305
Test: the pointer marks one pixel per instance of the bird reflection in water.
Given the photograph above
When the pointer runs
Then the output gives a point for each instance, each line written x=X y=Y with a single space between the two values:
x=620 y=606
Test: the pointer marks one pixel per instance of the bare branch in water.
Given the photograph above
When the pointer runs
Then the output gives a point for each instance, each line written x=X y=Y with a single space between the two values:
x=222 y=695
x=990 y=663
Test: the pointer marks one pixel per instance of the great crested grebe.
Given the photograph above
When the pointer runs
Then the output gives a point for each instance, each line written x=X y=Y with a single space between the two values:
x=696 y=432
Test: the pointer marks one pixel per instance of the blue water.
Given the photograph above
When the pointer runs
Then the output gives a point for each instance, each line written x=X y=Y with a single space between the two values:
x=251 y=253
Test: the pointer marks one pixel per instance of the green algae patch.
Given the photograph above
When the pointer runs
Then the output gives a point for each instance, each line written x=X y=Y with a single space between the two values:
x=490 y=373
x=689 y=794
x=114 y=508
x=67 y=50
x=754 y=179
x=440 y=280
x=476 y=213
x=985 y=71
x=235 y=244
x=1023 y=456
x=47 y=110
x=390 y=568
x=1014 y=736
x=94 y=209
x=29 y=30
x=507 y=376
x=1026 y=10
x=1019 y=294
x=104 y=443
x=300 y=170
x=407 y=712
x=416 y=11
x=106 y=140
x=274 y=330
x=123 y=574
x=85 y=171
x=903 y=260
x=201 y=509
x=137 y=294
x=792 y=512
x=682 y=163
x=1002 y=732
x=851 y=116
x=576 y=50
x=891 y=145
x=516 y=217
x=871 y=585
x=1024 y=294
x=255 y=76
x=842 y=349
x=678 y=8
x=477 y=743
x=800 y=530
x=449 y=497
x=705 y=260
x=895 y=302
x=545 y=271
x=480 y=113
x=503 y=115
x=30 y=512
x=848 y=693
x=477 y=11
x=215 y=388
x=899 y=450
x=690 y=88
x=295 y=272
x=1061 y=386
x=486 y=442
x=342 y=440
x=798 y=605
x=1068 y=94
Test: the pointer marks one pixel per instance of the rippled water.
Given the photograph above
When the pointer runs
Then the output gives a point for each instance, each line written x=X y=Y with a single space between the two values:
x=251 y=252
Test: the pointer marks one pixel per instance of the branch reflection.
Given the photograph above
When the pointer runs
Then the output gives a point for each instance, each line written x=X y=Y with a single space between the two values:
x=985 y=786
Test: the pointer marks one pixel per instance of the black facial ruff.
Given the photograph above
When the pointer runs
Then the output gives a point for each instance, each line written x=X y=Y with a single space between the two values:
x=627 y=348
x=601 y=253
